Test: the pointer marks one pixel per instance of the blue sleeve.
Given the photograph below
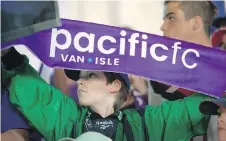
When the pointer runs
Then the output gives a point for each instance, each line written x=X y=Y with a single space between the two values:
x=11 y=118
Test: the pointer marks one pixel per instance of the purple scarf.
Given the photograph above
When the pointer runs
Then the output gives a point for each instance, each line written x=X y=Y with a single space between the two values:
x=89 y=46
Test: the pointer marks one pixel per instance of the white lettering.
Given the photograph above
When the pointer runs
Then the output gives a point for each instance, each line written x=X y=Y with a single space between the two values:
x=54 y=44
x=102 y=61
x=153 y=54
x=144 y=46
x=80 y=59
x=96 y=60
x=107 y=61
x=175 y=47
x=61 y=39
x=72 y=59
x=116 y=61
x=133 y=43
x=184 y=55
x=64 y=58
x=100 y=44
x=90 y=46
x=122 y=43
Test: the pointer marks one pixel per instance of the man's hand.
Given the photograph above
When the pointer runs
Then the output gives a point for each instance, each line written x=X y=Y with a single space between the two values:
x=139 y=83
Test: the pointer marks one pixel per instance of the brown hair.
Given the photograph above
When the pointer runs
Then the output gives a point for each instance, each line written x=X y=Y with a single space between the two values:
x=123 y=91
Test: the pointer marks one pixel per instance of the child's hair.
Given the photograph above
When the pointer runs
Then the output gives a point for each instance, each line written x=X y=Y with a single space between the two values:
x=123 y=91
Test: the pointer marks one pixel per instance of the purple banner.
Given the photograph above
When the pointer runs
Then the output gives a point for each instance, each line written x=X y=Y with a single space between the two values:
x=90 y=46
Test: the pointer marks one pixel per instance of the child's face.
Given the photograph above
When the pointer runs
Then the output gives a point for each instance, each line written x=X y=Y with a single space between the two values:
x=93 y=88
x=222 y=124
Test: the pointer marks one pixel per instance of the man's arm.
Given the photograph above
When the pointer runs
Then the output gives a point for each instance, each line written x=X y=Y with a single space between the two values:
x=45 y=107
x=177 y=120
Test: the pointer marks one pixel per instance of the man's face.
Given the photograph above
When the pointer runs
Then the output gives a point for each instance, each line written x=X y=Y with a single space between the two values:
x=92 y=87
x=175 y=25
x=222 y=125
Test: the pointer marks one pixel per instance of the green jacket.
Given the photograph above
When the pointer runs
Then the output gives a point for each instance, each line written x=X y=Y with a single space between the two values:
x=54 y=114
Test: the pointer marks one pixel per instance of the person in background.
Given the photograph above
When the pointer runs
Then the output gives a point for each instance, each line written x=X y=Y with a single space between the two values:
x=220 y=22
x=189 y=21
x=186 y=21
x=218 y=39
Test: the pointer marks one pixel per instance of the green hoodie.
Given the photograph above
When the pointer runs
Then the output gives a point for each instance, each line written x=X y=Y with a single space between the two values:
x=55 y=114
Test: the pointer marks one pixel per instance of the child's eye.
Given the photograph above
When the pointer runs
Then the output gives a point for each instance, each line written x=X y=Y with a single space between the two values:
x=91 y=75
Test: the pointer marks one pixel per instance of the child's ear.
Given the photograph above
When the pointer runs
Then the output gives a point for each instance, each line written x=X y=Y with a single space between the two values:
x=115 y=86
